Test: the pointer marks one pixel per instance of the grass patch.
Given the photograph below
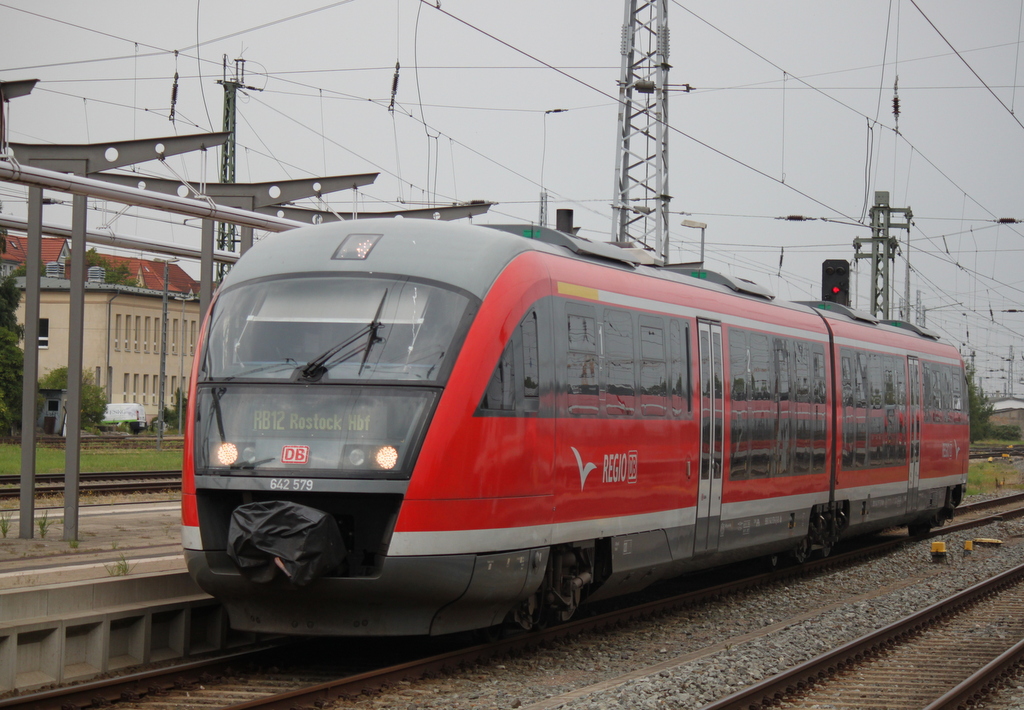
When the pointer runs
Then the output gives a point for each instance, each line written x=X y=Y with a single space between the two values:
x=50 y=460
x=984 y=477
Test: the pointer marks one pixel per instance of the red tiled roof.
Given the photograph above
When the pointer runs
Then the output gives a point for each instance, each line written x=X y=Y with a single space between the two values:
x=148 y=274
x=18 y=246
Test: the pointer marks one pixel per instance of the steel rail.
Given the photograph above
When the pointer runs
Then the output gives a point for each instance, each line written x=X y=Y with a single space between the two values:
x=973 y=689
x=13 y=479
x=100 y=693
x=772 y=690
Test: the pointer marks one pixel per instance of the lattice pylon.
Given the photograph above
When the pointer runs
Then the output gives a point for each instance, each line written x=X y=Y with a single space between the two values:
x=641 y=199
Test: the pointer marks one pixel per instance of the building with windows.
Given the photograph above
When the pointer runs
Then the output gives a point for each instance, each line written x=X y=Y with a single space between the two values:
x=123 y=330
x=1008 y=411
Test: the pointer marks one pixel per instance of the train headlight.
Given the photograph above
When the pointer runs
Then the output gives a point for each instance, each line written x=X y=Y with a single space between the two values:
x=387 y=457
x=227 y=454
x=370 y=457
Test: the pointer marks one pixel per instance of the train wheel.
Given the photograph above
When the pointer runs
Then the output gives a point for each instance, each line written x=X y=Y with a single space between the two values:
x=918 y=529
x=491 y=633
x=802 y=551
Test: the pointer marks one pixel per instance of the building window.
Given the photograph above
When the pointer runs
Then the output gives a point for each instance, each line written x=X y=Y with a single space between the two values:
x=145 y=387
x=117 y=332
x=124 y=395
x=135 y=388
x=138 y=327
x=145 y=336
x=192 y=338
x=174 y=337
x=44 y=332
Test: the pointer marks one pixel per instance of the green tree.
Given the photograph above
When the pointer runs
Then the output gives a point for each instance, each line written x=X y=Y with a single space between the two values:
x=119 y=274
x=10 y=297
x=980 y=408
x=11 y=369
x=94 y=399
x=11 y=357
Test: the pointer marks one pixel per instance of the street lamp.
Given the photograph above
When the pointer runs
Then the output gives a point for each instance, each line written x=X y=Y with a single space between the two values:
x=543 y=153
x=163 y=359
x=11 y=90
x=701 y=226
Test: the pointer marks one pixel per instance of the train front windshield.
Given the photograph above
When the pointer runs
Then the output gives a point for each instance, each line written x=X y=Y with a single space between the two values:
x=316 y=374
x=332 y=328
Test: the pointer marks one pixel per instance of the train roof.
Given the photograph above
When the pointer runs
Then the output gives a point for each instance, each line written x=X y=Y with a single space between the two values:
x=465 y=256
x=471 y=257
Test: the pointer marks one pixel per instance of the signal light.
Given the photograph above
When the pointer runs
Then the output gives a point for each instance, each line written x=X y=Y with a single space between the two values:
x=835 y=281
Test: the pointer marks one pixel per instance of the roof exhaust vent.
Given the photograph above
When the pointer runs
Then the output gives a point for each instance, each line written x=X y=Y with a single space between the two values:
x=563 y=221
x=55 y=270
x=97 y=274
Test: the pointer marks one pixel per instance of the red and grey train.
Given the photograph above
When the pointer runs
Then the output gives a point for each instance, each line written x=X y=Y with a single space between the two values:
x=412 y=427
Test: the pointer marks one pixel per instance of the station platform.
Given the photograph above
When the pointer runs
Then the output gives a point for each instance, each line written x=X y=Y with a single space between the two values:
x=120 y=597
x=114 y=540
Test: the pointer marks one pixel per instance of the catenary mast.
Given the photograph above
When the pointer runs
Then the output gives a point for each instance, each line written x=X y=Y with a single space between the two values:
x=640 y=206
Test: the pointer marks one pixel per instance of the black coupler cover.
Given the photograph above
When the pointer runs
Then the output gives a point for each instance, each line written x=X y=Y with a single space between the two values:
x=301 y=542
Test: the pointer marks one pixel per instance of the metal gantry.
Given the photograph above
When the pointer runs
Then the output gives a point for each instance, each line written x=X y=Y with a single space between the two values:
x=883 y=250
x=640 y=205
x=37 y=179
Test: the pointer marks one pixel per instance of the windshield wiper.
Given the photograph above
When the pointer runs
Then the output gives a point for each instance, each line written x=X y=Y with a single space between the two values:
x=250 y=464
x=374 y=327
x=315 y=368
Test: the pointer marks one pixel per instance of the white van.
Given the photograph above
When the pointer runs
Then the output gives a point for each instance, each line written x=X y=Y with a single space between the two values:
x=130 y=413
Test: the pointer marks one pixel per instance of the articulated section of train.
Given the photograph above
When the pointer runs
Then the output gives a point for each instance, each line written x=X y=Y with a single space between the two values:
x=411 y=427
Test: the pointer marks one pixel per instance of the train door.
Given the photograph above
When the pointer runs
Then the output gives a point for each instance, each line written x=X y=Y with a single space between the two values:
x=914 y=431
x=709 y=489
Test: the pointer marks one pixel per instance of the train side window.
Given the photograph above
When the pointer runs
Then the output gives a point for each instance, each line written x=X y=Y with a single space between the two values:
x=620 y=392
x=849 y=416
x=761 y=418
x=515 y=380
x=860 y=391
x=500 y=392
x=739 y=375
x=819 y=397
x=531 y=357
x=957 y=382
x=819 y=387
x=889 y=379
x=782 y=369
x=679 y=367
x=581 y=364
x=653 y=368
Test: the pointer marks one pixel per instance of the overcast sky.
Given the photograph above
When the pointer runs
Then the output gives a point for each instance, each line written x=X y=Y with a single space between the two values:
x=790 y=114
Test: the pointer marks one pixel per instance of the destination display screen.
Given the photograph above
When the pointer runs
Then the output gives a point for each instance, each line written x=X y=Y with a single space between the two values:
x=310 y=430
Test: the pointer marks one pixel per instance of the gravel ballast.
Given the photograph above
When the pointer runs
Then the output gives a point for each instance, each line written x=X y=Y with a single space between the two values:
x=807 y=617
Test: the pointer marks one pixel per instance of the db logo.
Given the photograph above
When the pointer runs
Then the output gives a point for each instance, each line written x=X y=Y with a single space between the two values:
x=295 y=454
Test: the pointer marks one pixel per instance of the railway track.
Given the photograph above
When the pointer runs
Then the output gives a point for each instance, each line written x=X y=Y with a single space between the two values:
x=234 y=683
x=106 y=482
x=940 y=658
x=985 y=452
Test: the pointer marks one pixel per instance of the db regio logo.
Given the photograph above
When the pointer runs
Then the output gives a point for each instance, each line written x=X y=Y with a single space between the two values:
x=295 y=454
